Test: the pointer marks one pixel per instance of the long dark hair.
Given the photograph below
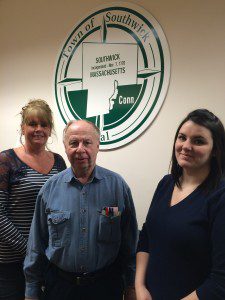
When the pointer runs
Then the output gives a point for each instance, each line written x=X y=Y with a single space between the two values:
x=207 y=119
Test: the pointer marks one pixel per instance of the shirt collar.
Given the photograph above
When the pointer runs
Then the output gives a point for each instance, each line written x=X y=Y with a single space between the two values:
x=70 y=176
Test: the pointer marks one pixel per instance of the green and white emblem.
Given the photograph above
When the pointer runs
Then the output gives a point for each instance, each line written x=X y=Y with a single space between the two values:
x=114 y=71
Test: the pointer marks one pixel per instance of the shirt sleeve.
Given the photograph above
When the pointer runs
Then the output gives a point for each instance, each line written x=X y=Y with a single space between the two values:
x=214 y=286
x=143 y=243
x=129 y=239
x=9 y=234
x=61 y=165
x=35 y=260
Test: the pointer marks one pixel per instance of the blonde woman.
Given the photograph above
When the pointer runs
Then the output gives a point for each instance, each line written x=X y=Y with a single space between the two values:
x=23 y=171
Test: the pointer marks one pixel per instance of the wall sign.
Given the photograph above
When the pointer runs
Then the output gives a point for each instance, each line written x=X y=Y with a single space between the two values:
x=114 y=70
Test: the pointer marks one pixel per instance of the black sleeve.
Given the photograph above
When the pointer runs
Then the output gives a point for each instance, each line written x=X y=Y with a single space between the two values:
x=214 y=286
x=143 y=243
x=60 y=162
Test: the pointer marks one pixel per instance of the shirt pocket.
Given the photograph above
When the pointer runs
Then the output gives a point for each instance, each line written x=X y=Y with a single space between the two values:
x=109 y=229
x=59 y=229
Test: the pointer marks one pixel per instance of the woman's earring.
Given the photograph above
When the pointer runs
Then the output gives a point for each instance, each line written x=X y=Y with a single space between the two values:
x=51 y=140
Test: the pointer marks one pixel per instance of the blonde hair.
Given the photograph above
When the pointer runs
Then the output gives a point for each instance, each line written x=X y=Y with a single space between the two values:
x=38 y=108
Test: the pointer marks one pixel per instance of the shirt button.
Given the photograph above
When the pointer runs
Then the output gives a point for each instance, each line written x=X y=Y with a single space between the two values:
x=82 y=268
x=83 y=229
x=83 y=210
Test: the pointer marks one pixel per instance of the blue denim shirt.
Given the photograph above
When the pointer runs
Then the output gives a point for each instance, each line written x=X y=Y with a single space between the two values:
x=72 y=229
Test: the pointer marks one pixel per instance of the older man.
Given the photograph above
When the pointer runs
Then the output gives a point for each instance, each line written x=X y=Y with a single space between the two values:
x=84 y=228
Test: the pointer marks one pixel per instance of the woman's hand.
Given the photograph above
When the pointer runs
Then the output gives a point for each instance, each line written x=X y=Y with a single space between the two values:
x=141 y=266
x=192 y=296
x=142 y=293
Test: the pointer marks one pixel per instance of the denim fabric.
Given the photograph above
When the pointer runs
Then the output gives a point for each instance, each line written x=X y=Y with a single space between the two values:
x=70 y=229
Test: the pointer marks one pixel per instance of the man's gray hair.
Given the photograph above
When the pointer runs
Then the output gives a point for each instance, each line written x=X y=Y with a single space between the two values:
x=96 y=129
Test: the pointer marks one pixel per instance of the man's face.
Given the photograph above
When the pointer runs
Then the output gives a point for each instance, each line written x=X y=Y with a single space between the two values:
x=81 y=145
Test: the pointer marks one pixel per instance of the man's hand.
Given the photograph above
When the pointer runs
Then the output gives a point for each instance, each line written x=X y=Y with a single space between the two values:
x=129 y=293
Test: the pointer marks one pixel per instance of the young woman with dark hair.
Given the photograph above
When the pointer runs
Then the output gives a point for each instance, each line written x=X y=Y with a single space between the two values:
x=181 y=251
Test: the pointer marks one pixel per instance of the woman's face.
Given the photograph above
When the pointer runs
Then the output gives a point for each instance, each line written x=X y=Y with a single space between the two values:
x=36 y=132
x=193 y=147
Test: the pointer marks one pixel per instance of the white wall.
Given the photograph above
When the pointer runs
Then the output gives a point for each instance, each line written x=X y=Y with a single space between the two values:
x=32 y=33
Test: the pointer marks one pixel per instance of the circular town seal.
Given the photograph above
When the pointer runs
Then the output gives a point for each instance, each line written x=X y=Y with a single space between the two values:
x=114 y=70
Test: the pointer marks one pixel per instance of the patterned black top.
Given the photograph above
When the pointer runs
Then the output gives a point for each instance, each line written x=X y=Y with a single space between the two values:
x=19 y=186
